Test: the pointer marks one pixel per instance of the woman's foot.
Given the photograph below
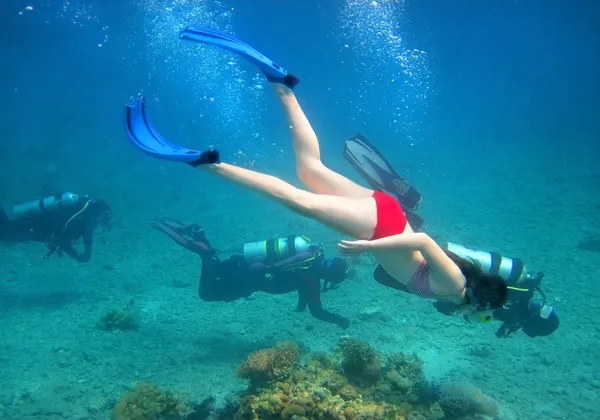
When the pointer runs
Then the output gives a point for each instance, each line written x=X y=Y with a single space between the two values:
x=281 y=90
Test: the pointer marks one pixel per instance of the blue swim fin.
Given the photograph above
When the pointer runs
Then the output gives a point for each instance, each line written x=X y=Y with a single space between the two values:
x=273 y=71
x=144 y=136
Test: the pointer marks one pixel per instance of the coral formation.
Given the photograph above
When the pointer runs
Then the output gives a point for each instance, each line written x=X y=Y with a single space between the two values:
x=146 y=402
x=124 y=319
x=321 y=393
x=404 y=380
x=459 y=400
x=269 y=364
x=359 y=361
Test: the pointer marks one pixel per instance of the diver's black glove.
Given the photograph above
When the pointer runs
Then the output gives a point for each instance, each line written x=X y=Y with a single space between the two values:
x=506 y=330
x=444 y=307
x=344 y=323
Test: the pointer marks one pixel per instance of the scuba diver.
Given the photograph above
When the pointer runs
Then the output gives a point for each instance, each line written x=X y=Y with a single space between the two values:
x=526 y=307
x=58 y=221
x=275 y=266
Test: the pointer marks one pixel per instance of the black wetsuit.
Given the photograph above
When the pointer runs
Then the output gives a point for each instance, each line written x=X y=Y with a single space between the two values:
x=49 y=228
x=232 y=279
x=521 y=313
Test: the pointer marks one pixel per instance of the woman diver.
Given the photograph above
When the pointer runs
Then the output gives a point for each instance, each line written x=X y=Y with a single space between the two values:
x=375 y=219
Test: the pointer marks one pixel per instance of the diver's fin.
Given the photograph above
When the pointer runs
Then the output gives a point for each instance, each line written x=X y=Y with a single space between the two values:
x=416 y=221
x=379 y=174
x=273 y=71
x=144 y=136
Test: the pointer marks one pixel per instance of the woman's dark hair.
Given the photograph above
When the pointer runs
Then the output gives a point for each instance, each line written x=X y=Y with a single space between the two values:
x=489 y=290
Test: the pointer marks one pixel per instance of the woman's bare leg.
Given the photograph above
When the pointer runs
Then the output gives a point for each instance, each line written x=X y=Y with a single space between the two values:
x=350 y=216
x=311 y=171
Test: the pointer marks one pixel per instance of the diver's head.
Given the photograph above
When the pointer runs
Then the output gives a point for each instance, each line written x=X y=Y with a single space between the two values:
x=486 y=292
x=99 y=211
x=334 y=270
x=483 y=291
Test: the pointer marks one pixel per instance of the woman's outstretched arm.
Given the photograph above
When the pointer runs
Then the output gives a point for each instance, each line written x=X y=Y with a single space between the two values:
x=439 y=262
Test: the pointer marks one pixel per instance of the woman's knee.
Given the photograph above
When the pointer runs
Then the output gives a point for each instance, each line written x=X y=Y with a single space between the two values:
x=316 y=177
x=310 y=169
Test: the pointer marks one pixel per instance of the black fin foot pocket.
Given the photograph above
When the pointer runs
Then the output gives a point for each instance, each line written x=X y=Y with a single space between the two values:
x=207 y=157
x=289 y=81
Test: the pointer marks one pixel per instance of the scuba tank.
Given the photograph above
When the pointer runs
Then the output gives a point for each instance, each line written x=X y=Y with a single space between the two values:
x=273 y=250
x=512 y=270
x=43 y=205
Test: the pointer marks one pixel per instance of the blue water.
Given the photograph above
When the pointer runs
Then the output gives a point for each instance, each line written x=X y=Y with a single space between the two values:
x=488 y=107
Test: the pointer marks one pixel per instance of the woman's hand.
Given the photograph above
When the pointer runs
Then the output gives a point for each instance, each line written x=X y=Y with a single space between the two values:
x=354 y=247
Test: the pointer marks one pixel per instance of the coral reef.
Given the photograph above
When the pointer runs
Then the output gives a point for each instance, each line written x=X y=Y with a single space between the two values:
x=313 y=392
x=357 y=384
x=146 y=402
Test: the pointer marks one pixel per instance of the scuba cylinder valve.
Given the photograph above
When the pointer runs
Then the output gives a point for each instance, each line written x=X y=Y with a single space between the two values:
x=512 y=270
x=273 y=250
x=43 y=205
